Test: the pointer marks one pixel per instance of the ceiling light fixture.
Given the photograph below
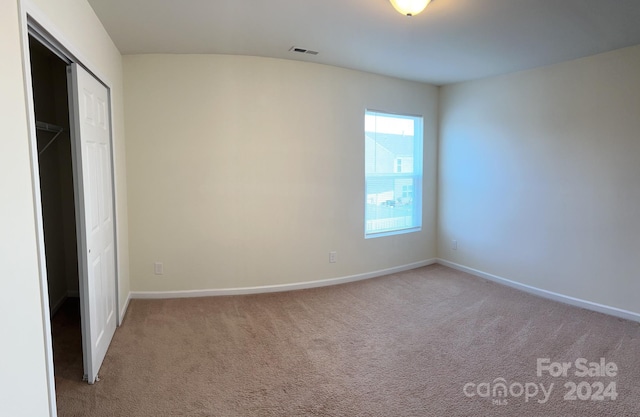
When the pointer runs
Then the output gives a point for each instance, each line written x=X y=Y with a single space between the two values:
x=409 y=7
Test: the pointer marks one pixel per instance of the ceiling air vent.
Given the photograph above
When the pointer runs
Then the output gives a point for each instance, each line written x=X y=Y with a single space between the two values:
x=302 y=50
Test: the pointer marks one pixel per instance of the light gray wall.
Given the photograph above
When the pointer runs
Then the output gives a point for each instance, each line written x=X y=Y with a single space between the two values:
x=247 y=171
x=540 y=177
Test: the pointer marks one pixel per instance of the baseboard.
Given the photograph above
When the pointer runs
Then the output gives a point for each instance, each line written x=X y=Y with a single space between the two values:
x=277 y=288
x=123 y=310
x=577 y=302
x=56 y=306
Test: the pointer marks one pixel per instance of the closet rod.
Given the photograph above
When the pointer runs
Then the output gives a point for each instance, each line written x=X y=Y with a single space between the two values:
x=49 y=128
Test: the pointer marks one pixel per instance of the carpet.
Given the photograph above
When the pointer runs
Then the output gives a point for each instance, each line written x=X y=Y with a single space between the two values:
x=427 y=342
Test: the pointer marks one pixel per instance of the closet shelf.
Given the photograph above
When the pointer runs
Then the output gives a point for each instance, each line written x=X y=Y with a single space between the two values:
x=48 y=127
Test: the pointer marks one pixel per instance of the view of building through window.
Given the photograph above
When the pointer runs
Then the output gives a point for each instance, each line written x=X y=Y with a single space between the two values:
x=393 y=173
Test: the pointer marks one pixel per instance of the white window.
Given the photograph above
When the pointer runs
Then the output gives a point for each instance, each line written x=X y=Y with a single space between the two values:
x=393 y=173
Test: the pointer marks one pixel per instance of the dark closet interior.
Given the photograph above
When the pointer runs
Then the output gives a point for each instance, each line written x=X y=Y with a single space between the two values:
x=51 y=105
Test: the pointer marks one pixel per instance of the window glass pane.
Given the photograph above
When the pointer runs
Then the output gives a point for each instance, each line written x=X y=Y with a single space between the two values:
x=389 y=205
x=393 y=173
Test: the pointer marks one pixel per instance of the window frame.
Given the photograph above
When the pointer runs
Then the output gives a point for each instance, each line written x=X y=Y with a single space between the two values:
x=416 y=175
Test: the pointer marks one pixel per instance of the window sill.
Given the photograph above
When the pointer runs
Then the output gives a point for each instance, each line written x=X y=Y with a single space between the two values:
x=392 y=233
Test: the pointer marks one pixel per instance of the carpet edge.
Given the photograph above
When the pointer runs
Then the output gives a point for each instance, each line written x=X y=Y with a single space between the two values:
x=550 y=295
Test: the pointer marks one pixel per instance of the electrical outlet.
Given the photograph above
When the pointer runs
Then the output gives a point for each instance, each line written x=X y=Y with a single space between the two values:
x=333 y=257
x=454 y=244
x=158 y=268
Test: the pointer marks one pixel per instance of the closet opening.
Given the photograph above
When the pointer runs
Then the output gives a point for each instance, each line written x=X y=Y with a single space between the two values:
x=53 y=135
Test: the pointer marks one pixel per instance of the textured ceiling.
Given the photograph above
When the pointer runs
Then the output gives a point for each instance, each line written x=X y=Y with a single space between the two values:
x=451 y=41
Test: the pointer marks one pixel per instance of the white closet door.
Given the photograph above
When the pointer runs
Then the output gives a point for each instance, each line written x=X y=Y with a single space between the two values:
x=90 y=108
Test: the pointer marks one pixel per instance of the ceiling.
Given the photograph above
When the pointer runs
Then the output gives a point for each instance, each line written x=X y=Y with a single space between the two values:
x=451 y=41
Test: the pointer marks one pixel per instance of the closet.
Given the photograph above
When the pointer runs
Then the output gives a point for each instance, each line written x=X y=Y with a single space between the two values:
x=51 y=105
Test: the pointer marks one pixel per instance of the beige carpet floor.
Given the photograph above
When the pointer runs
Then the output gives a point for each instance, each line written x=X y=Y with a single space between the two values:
x=403 y=345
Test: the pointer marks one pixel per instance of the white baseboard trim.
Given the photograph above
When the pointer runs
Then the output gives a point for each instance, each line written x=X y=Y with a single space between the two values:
x=69 y=294
x=277 y=288
x=577 y=302
x=56 y=306
x=123 y=310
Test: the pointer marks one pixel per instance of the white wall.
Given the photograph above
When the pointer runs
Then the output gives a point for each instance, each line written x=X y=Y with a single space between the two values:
x=23 y=388
x=540 y=177
x=247 y=171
